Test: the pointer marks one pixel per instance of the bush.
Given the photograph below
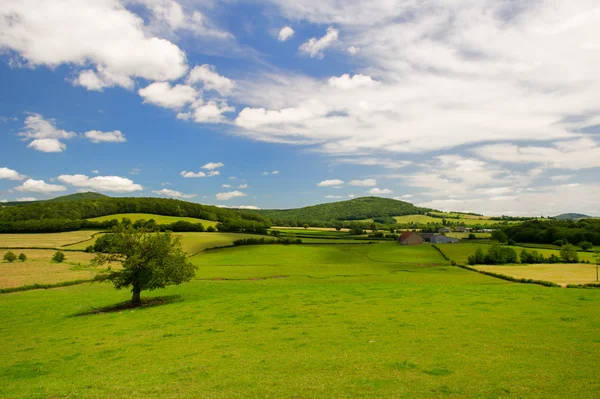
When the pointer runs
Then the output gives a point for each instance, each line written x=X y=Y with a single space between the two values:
x=496 y=255
x=512 y=242
x=275 y=233
x=22 y=257
x=90 y=249
x=58 y=257
x=586 y=245
x=568 y=254
x=266 y=241
x=532 y=257
x=478 y=258
x=500 y=236
x=472 y=236
x=10 y=257
x=211 y=229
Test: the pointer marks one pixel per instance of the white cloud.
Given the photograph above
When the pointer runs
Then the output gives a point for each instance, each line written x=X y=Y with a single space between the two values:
x=315 y=47
x=333 y=196
x=172 y=193
x=345 y=82
x=352 y=50
x=210 y=79
x=47 y=145
x=226 y=185
x=213 y=173
x=95 y=171
x=44 y=134
x=238 y=207
x=39 y=186
x=351 y=195
x=329 y=183
x=26 y=199
x=97 y=136
x=163 y=95
x=562 y=177
x=378 y=191
x=102 y=183
x=213 y=165
x=275 y=172
x=229 y=195
x=84 y=33
x=243 y=185
x=582 y=153
x=385 y=162
x=6 y=173
x=135 y=171
x=207 y=112
x=363 y=183
x=285 y=33
x=192 y=174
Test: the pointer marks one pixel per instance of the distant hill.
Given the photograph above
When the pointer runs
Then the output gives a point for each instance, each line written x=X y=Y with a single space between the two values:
x=571 y=216
x=71 y=197
x=354 y=209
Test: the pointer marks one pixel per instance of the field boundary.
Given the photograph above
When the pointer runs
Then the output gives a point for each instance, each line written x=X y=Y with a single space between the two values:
x=91 y=238
x=512 y=279
x=37 y=286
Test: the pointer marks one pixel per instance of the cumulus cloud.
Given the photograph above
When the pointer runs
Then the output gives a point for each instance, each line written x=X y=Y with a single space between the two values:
x=239 y=207
x=114 y=184
x=275 y=172
x=230 y=195
x=44 y=134
x=187 y=174
x=315 y=47
x=243 y=185
x=352 y=50
x=345 y=82
x=172 y=193
x=329 y=183
x=83 y=33
x=163 y=95
x=226 y=185
x=213 y=165
x=207 y=112
x=96 y=136
x=378 y=191
x=285 y=33
x=363 y=183
x=209 y=78
x=10 y=174
x=25 y=199
x=39 y=186
x=333 y=196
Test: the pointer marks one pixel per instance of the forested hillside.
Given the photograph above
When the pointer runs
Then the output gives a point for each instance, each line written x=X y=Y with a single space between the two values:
x=71 y=197
x=556 y=232
x=355 y=209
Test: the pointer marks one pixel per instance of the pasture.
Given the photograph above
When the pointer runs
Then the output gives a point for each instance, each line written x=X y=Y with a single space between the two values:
x=49 y=240
x=159 y=219
x=39 y=269
x=360 y=321
x=562 y=274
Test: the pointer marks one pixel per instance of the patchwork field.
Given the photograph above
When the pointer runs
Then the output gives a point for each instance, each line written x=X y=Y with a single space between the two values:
x=50 y=240
x=159 y=219
x=360 y=321
x=39 y=269
x=562 y=274
x=461 y=252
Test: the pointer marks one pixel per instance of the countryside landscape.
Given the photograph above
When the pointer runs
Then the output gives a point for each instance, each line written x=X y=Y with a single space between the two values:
x=308 y=199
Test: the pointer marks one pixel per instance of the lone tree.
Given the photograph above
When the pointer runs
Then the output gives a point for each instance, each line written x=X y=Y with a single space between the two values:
x=150 y=261
x=568 y=253
x=58 y=257
x=500 y=236
x=22 y=257
x=10 y=257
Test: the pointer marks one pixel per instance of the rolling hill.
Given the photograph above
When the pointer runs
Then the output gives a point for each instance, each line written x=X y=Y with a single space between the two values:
x=65 y=198
x=571 y=216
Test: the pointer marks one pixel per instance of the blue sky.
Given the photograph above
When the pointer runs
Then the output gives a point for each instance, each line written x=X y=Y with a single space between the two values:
x=482 y=106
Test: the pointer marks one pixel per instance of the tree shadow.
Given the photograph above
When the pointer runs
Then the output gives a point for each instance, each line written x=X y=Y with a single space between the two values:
x=119 y=307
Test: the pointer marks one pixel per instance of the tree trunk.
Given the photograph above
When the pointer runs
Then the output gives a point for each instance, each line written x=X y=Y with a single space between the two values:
x=135 y=299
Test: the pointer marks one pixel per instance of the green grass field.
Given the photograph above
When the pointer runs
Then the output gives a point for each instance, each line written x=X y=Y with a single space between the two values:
x=159 y=219
x=340 y=321
x=461 y=252
x=49 y=240
x=562 y=274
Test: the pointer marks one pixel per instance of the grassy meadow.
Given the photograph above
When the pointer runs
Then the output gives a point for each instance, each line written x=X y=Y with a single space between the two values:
x=562 y=274
x=159 y=219
x=49 y=240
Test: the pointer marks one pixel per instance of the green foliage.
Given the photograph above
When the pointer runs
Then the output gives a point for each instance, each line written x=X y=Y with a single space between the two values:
x=58 y=257
x=478 y=258
x=557 y=232
x=533 y=257
x=266 y=241
x=10 y=257
x=211 y=229
x=306 y=226
x=568 y=254
x=22 y=257
x=586 y=245
x=356 y=230
x=496 y=255
x=500 y=236
x=275 y=233
x=472 y=236
x=149 y=261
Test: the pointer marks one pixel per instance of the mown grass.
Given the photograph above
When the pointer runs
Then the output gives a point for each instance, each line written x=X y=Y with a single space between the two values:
x=38 y=269
x=562 y=274
x=47 y=240
x=358 y=321
x=159 y=219
x=461 y=252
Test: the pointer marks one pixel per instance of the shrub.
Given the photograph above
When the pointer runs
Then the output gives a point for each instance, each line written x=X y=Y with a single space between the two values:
x=472 y=236
x=498 y=255
x=512 y=242
x=10 y=257
x=500 y=236
x=275 y=233
x=58 y=257
x=568 y=254
x=586 y=245
x=266 y=241
x=211 y=229
x=22 y=257
x=478 y=258
x=89 y=249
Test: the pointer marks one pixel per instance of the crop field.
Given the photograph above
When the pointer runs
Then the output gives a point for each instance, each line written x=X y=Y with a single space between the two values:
x=461 y=252
x=562 y=274
x=159 y=219
x=460 y=215
x=39 y=269
x=49 y=240
x=462 y=236
x=360 y=321
x=424 y=219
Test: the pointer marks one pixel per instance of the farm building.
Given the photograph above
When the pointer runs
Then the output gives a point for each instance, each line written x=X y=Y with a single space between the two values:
x=427 y=236
x=440 y=239
x=463 y=229
x=410 y=238
x=445 y=230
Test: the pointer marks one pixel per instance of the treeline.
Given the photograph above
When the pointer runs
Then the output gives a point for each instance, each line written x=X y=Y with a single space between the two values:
x=557 y=232
x=87 y=209
x=266 y=241
x=501 y=255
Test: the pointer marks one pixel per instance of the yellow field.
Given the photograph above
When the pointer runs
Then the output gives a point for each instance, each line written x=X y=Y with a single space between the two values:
x=562 y=274
x=462 y=236
x=195 y=242
x=159 y=219
x=46 y=240
x=39 y=269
